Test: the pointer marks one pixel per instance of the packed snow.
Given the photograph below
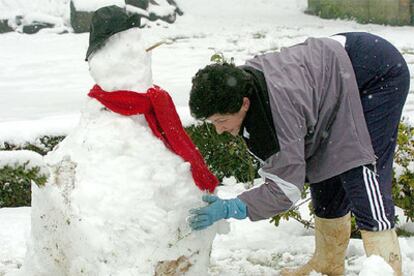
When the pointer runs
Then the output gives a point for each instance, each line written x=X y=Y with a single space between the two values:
x=45 y=80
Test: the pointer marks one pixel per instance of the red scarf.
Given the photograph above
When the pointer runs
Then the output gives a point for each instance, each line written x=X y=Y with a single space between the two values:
x=159 y=111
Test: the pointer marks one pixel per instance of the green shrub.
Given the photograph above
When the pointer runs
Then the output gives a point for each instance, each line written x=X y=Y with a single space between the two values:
x=295 y=213
x=329 y=9
x=41 y=145
x=224 y=154
x=403 y=181
x=15 y=184
x=15 y=180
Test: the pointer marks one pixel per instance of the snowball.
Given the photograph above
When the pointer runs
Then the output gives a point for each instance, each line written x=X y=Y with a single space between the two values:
x=376 y=265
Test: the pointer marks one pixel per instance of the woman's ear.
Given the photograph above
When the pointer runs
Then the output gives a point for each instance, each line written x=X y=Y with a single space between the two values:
x=246 y=104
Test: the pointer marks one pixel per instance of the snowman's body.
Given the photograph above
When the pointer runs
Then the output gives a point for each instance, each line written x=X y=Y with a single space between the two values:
x=117 y=199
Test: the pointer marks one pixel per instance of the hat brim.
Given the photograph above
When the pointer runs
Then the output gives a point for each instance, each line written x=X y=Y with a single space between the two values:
x=93 y=48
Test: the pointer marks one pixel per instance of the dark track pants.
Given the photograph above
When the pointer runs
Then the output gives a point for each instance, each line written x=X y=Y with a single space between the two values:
x=383 y=81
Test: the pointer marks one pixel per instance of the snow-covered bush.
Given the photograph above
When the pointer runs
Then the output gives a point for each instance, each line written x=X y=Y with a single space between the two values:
x=225 y=155
x=41 y=145
x=74 y=15
x=15 y=185
x=20 y=164
x=31 y=16
x=17 y=171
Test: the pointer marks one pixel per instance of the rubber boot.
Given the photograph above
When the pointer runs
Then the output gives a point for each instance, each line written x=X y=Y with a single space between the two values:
x=384 y=244
x=331 y=241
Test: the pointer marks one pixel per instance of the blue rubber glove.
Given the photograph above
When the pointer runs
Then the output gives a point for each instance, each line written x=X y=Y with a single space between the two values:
x=217 y=209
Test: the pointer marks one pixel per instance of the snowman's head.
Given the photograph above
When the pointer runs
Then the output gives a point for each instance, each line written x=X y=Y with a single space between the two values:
x=122 y=63
x=116 y=54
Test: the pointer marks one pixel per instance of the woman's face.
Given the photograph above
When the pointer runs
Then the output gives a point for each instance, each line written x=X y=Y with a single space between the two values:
x=230 y=123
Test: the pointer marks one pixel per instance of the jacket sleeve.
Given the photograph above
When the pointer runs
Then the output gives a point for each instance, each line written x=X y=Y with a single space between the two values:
x=284 y=177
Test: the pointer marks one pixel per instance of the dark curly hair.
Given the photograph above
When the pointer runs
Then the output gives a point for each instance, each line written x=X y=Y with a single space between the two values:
x=218 y=88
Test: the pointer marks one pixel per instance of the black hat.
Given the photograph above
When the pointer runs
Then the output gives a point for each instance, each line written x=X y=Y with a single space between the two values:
x=108 y=21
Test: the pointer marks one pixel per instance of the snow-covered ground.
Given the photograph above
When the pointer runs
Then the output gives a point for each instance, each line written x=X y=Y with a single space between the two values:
x=44 y=81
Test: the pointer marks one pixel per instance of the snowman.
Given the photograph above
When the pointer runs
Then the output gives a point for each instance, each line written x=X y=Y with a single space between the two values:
x=122 y=182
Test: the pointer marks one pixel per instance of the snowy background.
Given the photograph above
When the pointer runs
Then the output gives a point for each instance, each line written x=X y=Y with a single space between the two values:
x=44 y=81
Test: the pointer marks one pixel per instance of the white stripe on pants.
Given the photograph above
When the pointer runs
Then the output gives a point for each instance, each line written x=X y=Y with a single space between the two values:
x=375 y=199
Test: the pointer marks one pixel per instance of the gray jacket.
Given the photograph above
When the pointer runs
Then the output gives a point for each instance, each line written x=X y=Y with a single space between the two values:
x=318 y=118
